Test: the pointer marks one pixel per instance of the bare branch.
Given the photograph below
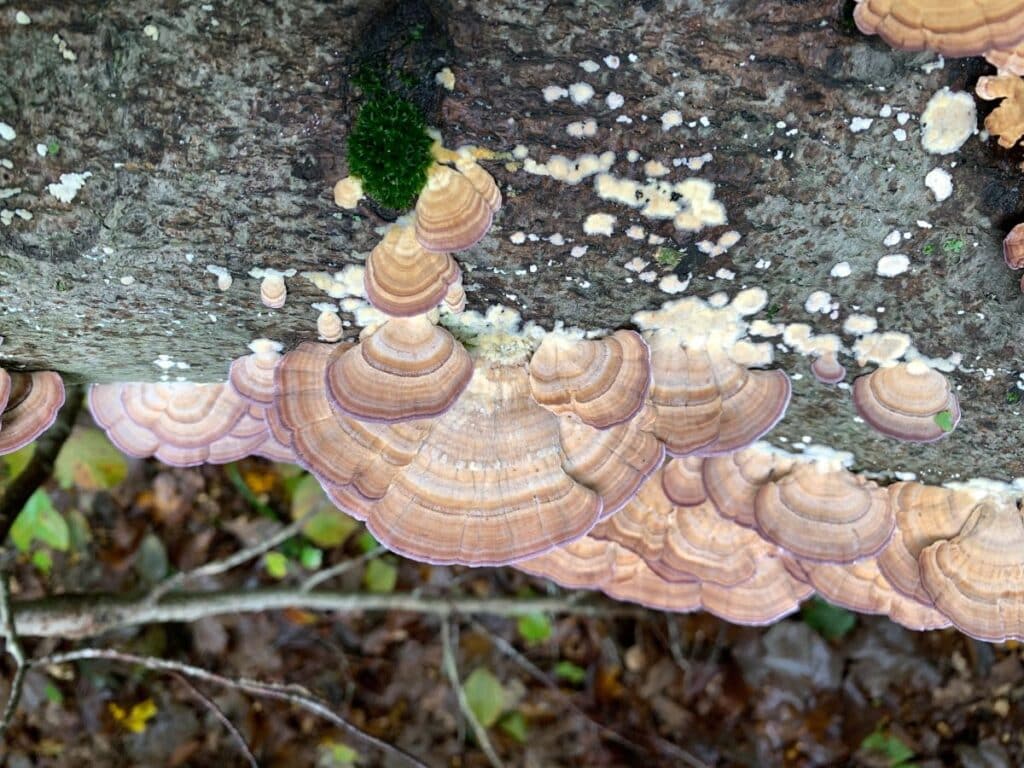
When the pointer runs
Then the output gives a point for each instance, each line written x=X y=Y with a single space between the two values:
x=81 y=616
x=452 y=671
x=14 y=648
x=336 y=570
x=293 y=694
x=210 y=704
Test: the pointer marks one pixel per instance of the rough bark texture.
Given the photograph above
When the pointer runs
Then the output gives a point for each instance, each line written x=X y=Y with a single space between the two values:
x=219 y=142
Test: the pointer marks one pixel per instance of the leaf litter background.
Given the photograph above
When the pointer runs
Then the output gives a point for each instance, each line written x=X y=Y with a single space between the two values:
x=821 y=688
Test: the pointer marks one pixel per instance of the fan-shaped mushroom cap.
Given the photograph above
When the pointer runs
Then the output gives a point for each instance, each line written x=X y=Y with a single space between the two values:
x=732 y=481
x=1013 y=247
x=403 y=279
x=181 y=424
x=488 y=486
x=683 y=481
x=1007 y=120
x=408 y=368
x=924 y=514
x=862 y=587
x=614 y=461
x=904 y=402
x=482 y=181
x=603 y=381
x=827 y=369
x=834 y=516
x=31 y=404
x=977 y=577
x=1009 y=61
x=5 y=388
x=949 y=27
x=451 y=215
x=771 y=593
x=455 y=299
x=582 y=564
x=642 y=524
x=252 y=376
x=338 y=450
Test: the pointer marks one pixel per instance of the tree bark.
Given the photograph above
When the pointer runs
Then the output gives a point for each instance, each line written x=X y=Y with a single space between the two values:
x=219 y=142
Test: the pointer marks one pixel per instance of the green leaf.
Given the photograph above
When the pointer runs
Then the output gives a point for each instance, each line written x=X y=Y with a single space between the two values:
x=380 y=576
x=52 y=693
x=336 y=754
x=829 y=621
x=17 y=461
x=52 y=147
x=40 y=521
x=945 y=420
x=42 y=560
x=88 y=461
x=276 y=564
x=571 y=673
x=888 y=746
x=151 y=559
x=311 y=558
x=325 y=525
x=534 y=627
x=485 y=696
x=514 y=724
x=366 y=542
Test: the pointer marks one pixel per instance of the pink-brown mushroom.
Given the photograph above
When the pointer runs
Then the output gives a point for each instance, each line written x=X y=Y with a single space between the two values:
x=403 y=279
x=1013 y=247
x=949 y=27
x=832 y=516
x=976 y=578
x=481 y=180
x=683 y=481
x=252 y=375
x=408 y=368
x=908 y=401
x=1009 y=61
x=827 y=369
x=732 y=481
x=451 y=214
x=603 y=381
x=1007 y=120
x=30 y=405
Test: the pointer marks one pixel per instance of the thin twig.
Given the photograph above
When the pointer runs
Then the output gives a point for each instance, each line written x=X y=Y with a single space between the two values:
x=13 y=645
x=171 y=583
x=88 y=615
x=217 y=712
x=40 y=466
x=294 y=694
x=336 y=570
x=452 y=671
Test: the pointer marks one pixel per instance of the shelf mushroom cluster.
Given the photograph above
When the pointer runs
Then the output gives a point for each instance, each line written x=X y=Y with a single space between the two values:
x=29 y=403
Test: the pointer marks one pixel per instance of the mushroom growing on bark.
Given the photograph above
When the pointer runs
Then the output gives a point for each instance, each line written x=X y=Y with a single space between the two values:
x=451 y=213
x=30 y=403
x=404 y=279
x=908 y=401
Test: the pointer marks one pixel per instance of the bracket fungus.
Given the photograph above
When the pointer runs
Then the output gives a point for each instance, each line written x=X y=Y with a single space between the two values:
x=451 y=213
x=949 y=27
x=1009 y=61
x=976 y=578
x=827 y=369
x=408 y=368
x=824 y=515
x=908 y=401
x=733 y=481
x=683 y=481
x=30 y=403
x=603 y=381
x=252 y=376
x=404 y=279
x=1013 y=247
x=1007 y=120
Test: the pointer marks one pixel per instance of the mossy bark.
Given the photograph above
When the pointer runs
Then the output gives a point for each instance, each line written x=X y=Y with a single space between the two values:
x=218 y=143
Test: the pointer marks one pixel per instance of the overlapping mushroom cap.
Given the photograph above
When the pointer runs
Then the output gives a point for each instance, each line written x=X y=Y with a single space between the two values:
x=949 y=27
x=824 y=515
x=404 y=279
x=976 y=578
x=603 y=381
x=408 y=368
x=706 y=402
x=683 y=481
x=1007 y=120
x=1009 y=61
x=252 y=376
x=908 y=401
x=451 y=212
x=1013 y=247
x=733 y=481
x=30 y=403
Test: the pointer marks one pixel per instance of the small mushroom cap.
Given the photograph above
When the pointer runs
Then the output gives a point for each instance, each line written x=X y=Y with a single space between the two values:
x=643 y=522
x=338 y=450
x=977 y=577
x=614 y=462
x=482 y=181
x=252 y=376
x=683 y=481
x=732 y=481
x=862 y=587
x=1013 y=247
x=1007 y=120
x=949 y=27
x=408 y=368
x=924 y=514
x=451 y=215
x=708 y=405
x=827 y=369
x=31 y=404
x=273 y=291
x=488 y=487
x=455 y=299
x=831 y=516
x=403 y=279
x=603 y=381
x=1009 y=61
x=904 y=402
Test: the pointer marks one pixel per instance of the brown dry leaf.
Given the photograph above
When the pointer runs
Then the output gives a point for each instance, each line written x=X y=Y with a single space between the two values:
x=1007 y=120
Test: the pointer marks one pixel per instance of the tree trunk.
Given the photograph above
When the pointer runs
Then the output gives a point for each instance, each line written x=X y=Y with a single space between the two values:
x=219 y=141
